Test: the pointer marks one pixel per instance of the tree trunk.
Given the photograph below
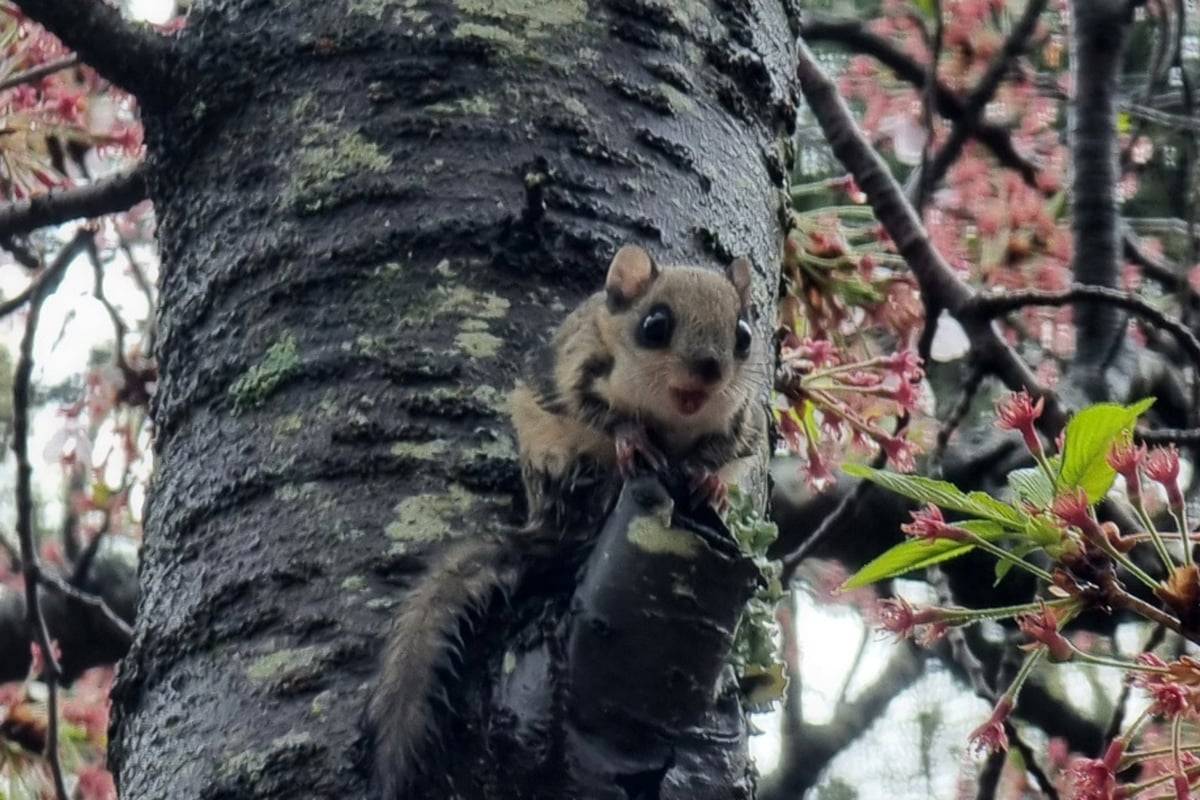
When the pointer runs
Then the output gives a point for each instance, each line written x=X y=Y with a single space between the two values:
x=368 y=214
x=1100 y=32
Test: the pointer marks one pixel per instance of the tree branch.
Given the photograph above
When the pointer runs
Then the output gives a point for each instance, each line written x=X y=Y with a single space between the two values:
x=964 y=657
x=122 y=631
x=1014 y=46
x=810 y=748
x=118 y=193
x=35 y=622
x=853 y=34
x=84 y=636
x=1153 y=267
x=940 y=286
x=1179 y=436
x=994 y=305
x=132 y=56
x=39 y=72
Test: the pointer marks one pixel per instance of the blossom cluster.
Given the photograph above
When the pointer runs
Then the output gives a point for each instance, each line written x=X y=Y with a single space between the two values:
x=1082 y=564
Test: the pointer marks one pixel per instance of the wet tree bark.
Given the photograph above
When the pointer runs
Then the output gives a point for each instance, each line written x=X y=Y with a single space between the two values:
x=369 y=210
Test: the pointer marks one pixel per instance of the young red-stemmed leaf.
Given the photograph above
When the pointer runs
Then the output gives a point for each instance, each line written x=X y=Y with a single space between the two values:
x=1089 y=436
x=942 y=494
x=916 y=554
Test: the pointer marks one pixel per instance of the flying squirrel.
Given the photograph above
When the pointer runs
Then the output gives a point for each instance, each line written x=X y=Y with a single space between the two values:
x=660 y=364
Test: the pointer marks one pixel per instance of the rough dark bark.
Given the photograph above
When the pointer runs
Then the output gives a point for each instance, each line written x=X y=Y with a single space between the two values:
x=368 y=213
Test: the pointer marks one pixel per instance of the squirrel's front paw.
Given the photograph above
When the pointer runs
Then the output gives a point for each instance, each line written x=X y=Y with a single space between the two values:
x=632 y=441
x=707 y=487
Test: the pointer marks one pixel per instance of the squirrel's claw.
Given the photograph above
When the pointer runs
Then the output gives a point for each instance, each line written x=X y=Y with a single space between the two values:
x=631 y=442
x=707 y=487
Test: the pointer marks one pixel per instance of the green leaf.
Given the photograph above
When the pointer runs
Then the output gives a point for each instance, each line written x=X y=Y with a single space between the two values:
x=1031 y=485
x=1003 y=567
x=984 y=529
x=809 y=419
x=906 y=557
x=925 y=7
x=858 y=292
x=1042 y=532
x=917 y=554
x=1141 y=406
x=987 y=506
x=1090 y=434
x=942 y=494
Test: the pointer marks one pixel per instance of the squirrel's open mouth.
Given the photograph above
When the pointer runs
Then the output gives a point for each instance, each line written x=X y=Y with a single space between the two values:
x=689 y=401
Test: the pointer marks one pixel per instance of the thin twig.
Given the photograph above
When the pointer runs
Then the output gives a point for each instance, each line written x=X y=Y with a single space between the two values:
x=1179 y=436
x=970 y=388
x=939 y=284
x=1015 y=44
x=118 y=193
x=925 y=181
x=1118 y=596
x=831 y=523
x=119 y=328
x=20 y=253
x=1157 y=268
x=39 y=72
x=854 y=35
x=70 y=523
x=989 y=776
x=139 y=277
x=989 y=306
x=94 y=602
x=1117 y=720
x=13 y=552
x=132 y=56
x=24 y=496
x=962 y=654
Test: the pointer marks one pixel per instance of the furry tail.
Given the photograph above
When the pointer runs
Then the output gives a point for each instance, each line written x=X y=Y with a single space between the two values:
x=422 y=650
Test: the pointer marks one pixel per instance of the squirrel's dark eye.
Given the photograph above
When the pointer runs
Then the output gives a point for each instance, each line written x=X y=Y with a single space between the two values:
x=656 y=327
x=741 y=343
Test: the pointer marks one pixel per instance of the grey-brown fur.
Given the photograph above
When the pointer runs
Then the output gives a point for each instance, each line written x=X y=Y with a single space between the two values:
x=425 y=643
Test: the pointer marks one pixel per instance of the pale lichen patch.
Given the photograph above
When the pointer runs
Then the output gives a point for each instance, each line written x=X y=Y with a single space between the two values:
x=575 y=107
x=652 y=536
x=538 y=17
x=488 y=33
x=463 y=300
x=327 y=156
x=491 y=397
x=420 y=450
x=321 y=703
x=680 y=102
x=282 y=664
x=375 y=9
x=475 y=106
x=354 y=583
x=289 y=425
x=428 y=517
x=513 y=25
x=280 y=362
x=493 y=446
x=291 y=492
x=477 y=344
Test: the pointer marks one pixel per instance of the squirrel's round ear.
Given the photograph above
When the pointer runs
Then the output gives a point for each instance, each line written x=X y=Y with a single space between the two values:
x=630 y=274
x=740 y=274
